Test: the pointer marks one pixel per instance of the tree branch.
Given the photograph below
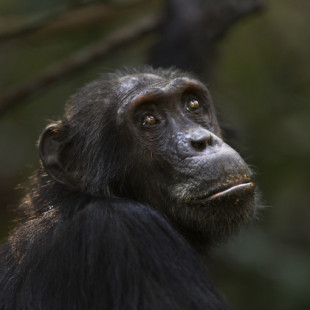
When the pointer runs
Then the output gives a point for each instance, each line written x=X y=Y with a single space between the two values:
x=35 y=24
x=48 y=17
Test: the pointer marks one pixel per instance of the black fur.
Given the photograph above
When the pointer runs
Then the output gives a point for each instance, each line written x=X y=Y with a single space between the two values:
x=107 y=254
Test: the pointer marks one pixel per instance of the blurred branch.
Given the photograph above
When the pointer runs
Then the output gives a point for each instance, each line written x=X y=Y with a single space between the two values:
x=41 y=21
x=120 y=37
x=35 y=24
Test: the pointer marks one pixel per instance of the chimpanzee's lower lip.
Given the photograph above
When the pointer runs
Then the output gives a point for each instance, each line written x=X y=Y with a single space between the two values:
x=238 y=189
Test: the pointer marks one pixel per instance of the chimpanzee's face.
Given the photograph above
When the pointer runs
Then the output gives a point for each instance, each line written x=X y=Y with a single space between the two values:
x=182 y=165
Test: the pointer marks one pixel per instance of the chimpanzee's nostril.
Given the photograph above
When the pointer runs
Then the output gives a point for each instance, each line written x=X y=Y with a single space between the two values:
x=199 y=145
x=202 y=143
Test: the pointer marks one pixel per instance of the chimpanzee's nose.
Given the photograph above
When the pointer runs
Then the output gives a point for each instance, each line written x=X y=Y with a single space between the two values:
x=201 y=139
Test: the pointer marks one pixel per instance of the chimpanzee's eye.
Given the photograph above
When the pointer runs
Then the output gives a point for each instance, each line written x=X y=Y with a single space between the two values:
x=192 y=105
x=149 y=120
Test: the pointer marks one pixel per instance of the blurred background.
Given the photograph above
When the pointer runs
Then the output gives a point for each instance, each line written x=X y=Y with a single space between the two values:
x=257 y=66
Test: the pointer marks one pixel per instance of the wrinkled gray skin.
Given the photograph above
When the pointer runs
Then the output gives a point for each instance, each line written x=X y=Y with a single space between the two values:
x=177 y=162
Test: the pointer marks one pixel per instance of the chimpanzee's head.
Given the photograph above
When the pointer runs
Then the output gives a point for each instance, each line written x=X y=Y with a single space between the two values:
x=151 y=135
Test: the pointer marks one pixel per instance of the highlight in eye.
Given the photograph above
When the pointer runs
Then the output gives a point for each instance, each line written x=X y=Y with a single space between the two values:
x=149 y=120
x=192 y=105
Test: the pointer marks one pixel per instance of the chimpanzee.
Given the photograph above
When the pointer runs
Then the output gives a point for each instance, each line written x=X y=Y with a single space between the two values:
x=135 y=183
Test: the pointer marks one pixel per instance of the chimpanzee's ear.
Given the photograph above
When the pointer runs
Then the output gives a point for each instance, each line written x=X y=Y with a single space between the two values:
x=50 y=146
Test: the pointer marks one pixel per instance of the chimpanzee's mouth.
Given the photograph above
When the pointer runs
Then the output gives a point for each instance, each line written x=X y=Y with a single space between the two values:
x=223 y=192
